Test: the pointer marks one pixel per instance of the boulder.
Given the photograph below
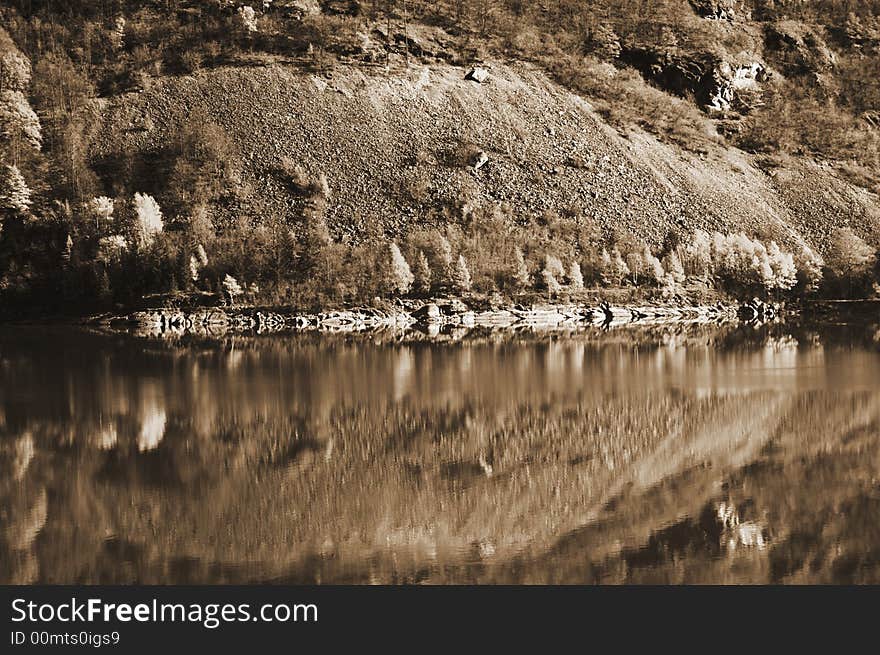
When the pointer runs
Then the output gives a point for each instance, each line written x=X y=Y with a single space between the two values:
x=477 y=74
x=428 y=313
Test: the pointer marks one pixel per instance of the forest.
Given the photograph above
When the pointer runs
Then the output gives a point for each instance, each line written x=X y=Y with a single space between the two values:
x=78 y=235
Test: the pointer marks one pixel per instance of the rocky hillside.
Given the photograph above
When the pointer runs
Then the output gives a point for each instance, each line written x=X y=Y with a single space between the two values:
x=399 y=149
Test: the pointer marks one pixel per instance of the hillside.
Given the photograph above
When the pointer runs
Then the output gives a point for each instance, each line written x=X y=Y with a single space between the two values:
x=388 y=143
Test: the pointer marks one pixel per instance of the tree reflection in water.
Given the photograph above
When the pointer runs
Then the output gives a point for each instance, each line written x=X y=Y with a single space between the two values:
x=739 y=455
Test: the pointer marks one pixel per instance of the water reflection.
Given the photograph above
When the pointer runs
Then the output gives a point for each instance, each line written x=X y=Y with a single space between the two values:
x=674 y=455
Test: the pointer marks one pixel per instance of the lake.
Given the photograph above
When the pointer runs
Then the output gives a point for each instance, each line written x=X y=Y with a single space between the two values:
x=690 y=454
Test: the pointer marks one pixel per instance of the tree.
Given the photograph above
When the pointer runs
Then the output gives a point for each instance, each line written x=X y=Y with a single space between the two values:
x=421 y=274
x=18 y=121
x=614 y=269
x=674 y=269
x=653 y=269
x=111 y=249
x=15 y=196
x=848 y=255
x=809 y=268
x=15 y=68
x=232 y=289
x=698 y=254
x=783 y=267
x=575 y=276
x=102 y=208
x=636 y=265
x=461 y=276
x=520 y=276
x=849 y=260
x=399 y=278
x=148 y=219
x=551 y=274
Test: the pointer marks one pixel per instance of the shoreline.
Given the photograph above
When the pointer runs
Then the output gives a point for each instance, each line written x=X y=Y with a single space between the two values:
x=430 y=316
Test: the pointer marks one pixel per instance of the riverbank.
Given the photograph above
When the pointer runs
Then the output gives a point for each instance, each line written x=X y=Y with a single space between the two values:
x=431 y=316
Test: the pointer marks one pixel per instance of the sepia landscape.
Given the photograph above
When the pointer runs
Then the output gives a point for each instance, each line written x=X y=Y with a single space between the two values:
x=465 y=292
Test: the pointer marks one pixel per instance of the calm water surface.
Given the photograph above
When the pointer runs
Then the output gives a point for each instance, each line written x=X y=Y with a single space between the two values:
x=688 y=455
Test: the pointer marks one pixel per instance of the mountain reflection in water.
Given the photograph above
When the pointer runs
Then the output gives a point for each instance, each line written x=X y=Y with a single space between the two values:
x=676 y=456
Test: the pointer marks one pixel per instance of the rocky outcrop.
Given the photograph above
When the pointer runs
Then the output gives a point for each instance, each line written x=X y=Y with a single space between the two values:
x=715 y=9
x=730 y=81
x=714 y=82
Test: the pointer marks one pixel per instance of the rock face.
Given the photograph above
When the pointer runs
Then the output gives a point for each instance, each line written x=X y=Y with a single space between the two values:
x=715 y=9
x=728 y=80
x=713 y=82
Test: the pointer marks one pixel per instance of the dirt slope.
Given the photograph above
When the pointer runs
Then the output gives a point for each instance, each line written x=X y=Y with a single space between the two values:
x=387 y=142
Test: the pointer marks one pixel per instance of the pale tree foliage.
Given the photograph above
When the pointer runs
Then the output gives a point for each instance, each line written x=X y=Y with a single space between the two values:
x=636 y=265
x=201 y=255
x=809 y=266
x=613 y=267
x=575 y=276
x=460 y=275
x=552 y=273
x=783 y=266
x=197 y=261
x=148 y=219
x=848 y=256
x=194 y=268
x=102 y=208
x=18 y=120
x=697 y=258
x=421 y=273
x=443 y=260
x=747 y=262
x=15 y=195
x=247 y=17
x=232 y=288
x=15 y=68
x=520 y=275
x=399 y=277
x=673 y=267
x=111 y=249
x=653 y=269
